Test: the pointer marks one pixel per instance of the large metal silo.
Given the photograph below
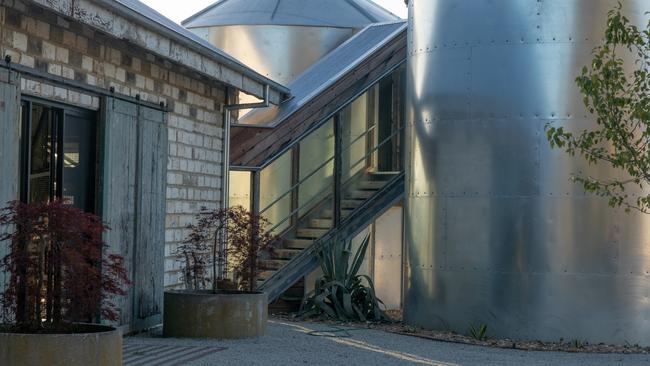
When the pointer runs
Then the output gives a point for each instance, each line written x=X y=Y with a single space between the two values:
x=496 y=232
x=282 y=38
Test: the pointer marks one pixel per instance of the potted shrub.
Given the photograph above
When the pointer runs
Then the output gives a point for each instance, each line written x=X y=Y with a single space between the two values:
x=222 y=241
x=58 y=284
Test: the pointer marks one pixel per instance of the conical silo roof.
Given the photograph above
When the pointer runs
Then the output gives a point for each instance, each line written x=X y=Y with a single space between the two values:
x=316 y=13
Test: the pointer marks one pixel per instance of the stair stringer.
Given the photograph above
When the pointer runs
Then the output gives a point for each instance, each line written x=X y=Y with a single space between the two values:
x=307 y=261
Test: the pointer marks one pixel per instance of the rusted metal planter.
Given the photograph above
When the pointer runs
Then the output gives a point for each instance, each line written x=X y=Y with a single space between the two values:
x=101 y=347
x=225 y=315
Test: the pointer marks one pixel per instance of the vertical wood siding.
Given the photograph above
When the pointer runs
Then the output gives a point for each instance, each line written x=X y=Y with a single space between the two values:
x=151 y=198
x=9 y=147
x=118 y=188
x=133 y=203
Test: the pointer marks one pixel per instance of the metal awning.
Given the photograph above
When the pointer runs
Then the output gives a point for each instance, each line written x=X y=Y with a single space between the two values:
x=326 y=72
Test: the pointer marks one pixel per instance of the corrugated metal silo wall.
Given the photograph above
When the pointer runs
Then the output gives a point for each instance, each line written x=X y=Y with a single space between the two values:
x=496 y=232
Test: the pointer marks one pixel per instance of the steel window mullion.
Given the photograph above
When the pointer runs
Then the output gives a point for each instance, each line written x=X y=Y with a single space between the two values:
x=26 y=147
x=60 y=125
x=338 y=166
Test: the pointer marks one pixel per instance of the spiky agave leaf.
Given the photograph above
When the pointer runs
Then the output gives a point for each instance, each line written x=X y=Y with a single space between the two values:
x=341 y=293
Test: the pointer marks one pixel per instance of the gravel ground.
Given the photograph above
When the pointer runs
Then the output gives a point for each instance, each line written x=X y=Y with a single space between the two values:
x=291 y=343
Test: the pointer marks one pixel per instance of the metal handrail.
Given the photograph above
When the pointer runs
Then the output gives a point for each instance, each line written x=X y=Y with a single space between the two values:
x=334 y=112
x=372 y=151
x=315 y=171
x=316 y=195
x=319 y=242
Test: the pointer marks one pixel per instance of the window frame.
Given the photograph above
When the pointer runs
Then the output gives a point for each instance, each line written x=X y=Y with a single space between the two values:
x=61 y=112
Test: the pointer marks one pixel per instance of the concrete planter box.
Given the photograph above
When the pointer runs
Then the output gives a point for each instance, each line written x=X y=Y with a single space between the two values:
x=225 y=315
x=102 y=346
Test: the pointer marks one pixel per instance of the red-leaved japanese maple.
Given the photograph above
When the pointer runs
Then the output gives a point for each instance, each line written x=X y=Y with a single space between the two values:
x=247 y=239
x=57 y=273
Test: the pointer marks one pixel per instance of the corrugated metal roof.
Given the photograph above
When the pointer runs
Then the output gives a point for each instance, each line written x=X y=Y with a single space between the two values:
x=326 y=72
x=141 y=10
x=319 y=13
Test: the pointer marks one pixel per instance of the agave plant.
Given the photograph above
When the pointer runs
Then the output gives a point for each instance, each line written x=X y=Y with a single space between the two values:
x=341 y=292
x=478 y=332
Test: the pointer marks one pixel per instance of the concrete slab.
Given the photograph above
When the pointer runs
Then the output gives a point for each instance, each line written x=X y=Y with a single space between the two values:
x=288 y=343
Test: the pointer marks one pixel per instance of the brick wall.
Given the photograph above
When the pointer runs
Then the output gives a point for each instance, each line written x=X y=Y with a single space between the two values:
x=39 y=39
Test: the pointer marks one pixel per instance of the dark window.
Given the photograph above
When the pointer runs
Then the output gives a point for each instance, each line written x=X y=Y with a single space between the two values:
x=58 y=154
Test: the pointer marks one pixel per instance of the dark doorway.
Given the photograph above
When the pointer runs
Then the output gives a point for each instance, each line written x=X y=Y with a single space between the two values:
x=58 y=154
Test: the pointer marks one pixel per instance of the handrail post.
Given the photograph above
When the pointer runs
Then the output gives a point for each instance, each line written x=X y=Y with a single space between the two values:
x=295 y=179
x=255 y=193
x=338 y=167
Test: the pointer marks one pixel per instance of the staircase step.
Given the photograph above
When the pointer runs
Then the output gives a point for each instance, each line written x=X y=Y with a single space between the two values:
x=272 y=264
x=344 y=212
x=360 y=195
x=297 y=243
x=384 y=174
x=311 y=233
x=350 y=203
x=320 y=223
x=286 y=253
x=372 y=184
x=264 y=275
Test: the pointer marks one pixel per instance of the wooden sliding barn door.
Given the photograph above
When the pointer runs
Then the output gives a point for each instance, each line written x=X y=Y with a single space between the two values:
x=133 y=185
x=9 y=148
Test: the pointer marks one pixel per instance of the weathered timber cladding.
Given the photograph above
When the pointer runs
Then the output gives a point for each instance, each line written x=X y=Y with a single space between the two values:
x=118 y=185
x=150 y=220
x=9 y=147
x=133 y=188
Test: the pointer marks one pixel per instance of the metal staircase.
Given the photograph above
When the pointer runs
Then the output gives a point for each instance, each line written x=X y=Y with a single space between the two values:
x=298 y=256
x=344 y=206
x=330 y=181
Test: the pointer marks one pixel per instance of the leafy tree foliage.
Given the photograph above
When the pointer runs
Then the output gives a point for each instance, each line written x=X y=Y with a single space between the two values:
x=620 y=101
x=206 y=247
x=58 y=274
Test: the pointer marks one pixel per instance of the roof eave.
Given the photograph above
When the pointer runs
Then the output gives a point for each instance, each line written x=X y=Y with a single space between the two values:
x=250 y=81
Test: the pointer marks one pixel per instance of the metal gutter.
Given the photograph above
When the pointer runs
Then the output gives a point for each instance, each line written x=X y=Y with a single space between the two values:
x=225 y=164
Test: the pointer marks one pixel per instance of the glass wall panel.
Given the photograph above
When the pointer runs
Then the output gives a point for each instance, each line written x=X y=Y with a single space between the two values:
x=275 y=182
x=385 y=137
x=354 y=124
x=316 y=150
x=240 y=189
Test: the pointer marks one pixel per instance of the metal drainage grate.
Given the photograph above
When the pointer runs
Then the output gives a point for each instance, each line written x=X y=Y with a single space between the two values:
x=141 y=354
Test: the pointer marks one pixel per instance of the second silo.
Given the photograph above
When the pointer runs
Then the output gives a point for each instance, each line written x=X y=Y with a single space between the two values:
x=281 y=38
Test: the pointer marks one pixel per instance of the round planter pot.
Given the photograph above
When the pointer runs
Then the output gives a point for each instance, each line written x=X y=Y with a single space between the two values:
x=101 y=346
x=225 y=315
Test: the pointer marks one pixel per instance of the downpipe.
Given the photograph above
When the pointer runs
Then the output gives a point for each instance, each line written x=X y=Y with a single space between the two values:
x=225 y=166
